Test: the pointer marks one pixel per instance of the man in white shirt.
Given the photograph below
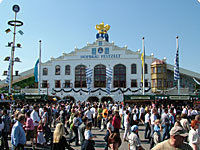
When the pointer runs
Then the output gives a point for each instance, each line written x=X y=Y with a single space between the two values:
x=141 y=116
x=184 y=111
x=165 y=124
x=147 y=125
x=89 y=114
x=35 y=117
x=121 y=114
x=126 y=125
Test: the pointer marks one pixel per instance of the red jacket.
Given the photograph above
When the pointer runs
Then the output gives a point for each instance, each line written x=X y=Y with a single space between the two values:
x=116 y=122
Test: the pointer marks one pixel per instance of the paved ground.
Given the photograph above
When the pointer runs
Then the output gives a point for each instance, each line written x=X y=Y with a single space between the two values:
x=99 y=141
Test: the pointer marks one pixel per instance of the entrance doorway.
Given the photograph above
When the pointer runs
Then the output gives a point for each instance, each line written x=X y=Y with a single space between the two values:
x=107 y=99
x=69 y=99
x=93 y=99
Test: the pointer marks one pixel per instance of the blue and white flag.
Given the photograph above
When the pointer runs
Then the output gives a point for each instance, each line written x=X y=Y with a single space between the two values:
x=8 y=74
x=109 y=75
x=88 y=72
x=176 y=67
x=36 y=71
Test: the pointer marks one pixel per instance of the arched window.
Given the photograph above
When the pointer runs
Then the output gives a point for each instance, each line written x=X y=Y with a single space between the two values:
x=80 y=76
x=146 y=69
x=119 y=76
x=45 y=72
x=100 y=76
x=133 y=69
x=67 y=70
x=57 y=70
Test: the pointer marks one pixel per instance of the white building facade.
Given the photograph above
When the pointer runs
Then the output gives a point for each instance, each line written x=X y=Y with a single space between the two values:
x=65 y=76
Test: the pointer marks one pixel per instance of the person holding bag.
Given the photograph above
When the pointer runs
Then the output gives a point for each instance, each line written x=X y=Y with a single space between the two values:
x=89 y=142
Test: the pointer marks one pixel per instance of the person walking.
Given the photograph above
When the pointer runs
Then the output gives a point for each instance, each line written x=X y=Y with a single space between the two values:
x=165 y=124
x=116 y=122
x=7 y=122
x=88 y=143
x=110 y=130
x=126 y=125
x=134 y=140
x=35 y=117
x=29 y=128
x=59 y=141
x=18 y=137
x=194 y=138
x=147 y=125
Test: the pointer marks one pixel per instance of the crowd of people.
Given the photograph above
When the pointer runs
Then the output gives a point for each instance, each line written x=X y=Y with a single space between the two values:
x=60 y=124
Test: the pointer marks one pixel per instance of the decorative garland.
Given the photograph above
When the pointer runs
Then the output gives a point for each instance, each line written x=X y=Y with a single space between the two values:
x=100 y=89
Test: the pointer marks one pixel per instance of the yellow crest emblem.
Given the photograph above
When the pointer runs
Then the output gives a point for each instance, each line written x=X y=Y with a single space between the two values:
x=102 y=29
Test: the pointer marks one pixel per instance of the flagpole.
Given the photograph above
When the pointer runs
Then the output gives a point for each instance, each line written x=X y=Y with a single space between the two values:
x=143 y=91
x=39 y=81
x=177 y=47
x=12 y=57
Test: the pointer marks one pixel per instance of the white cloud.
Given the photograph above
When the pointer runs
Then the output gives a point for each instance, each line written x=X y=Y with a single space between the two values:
x=1 y=1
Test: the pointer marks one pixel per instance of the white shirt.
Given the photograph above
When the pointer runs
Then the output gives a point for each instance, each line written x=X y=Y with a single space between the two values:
x=134 y=141
x=75 y=121
x=194 y=112
x=110 y=126
x=121 y=111
x=93 y=111
x=153 y=118
x=147 y=118
x=189 y=112
x=164 y=117
x=41 y=111
x=126 y=123
x=134 y=117
x=194 y=138
x=184 y=111
x=88 y=134
x=88 y=114
x=35 y=117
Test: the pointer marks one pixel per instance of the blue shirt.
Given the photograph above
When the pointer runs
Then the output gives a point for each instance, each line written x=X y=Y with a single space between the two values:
x=18 y=134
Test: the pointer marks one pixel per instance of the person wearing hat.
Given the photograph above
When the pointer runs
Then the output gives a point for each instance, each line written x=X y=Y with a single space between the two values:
x=194 y=138
x=134 y=140
x=176 y=140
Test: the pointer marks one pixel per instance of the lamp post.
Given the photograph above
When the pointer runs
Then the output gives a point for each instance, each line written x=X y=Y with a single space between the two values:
x=15 y=23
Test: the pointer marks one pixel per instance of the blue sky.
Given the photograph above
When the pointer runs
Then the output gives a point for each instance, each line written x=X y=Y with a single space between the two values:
x=64 y=24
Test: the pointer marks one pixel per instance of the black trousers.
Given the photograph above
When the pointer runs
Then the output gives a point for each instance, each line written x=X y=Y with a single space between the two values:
x=5 y=140
x=147 y=131
x=75 y=129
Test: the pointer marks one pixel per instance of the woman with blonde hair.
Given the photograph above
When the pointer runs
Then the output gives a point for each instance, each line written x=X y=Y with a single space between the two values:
x=59 y=141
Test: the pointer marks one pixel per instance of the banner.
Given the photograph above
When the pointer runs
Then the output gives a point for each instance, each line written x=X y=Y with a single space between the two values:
x=109 y=74
x=88 y=72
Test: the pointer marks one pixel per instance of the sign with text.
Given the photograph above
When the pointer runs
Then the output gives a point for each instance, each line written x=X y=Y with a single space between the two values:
x=100 y=56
